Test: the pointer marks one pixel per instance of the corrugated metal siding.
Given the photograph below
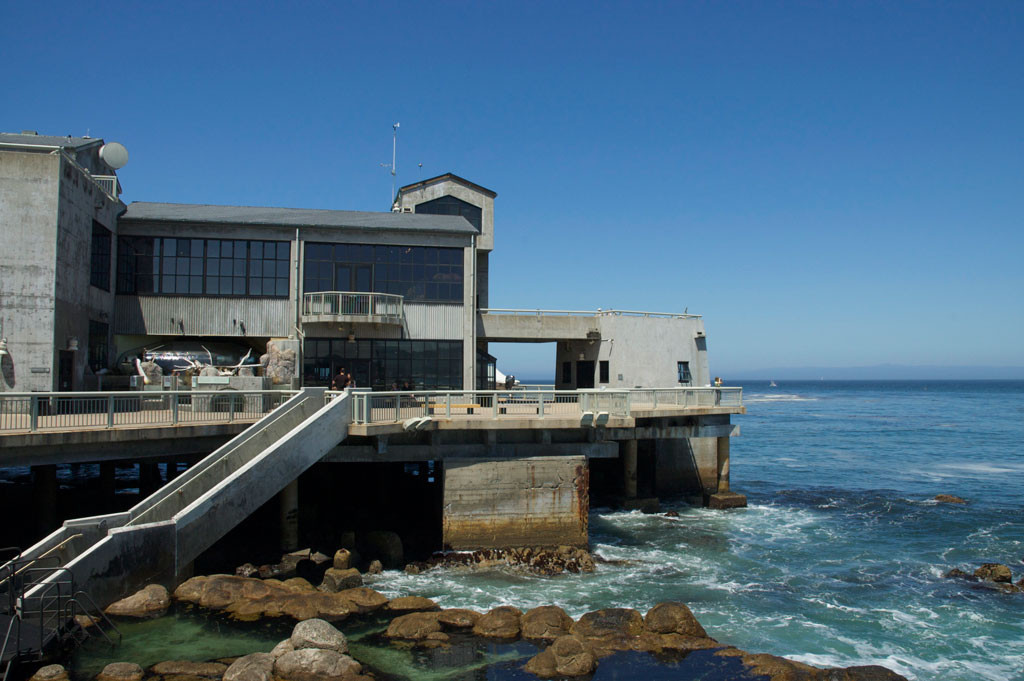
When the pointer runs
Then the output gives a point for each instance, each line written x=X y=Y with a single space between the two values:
x=433 y=321
x=158 y=315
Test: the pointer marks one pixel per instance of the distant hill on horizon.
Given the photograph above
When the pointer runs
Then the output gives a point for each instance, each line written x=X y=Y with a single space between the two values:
x=881 y=372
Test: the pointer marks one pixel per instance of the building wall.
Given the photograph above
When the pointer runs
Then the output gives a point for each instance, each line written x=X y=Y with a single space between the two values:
x=203 y=316
x=29 y=191
x=642 y=350
x=76 y=300
x=485 y=241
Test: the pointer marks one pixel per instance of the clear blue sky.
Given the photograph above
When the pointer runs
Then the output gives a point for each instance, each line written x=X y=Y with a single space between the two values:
x=829 y=184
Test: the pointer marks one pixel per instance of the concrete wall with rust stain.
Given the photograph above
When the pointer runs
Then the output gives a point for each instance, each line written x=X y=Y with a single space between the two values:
x=504 y=503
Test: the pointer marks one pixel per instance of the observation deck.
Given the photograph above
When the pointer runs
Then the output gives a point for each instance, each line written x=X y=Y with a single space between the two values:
x=332 y=307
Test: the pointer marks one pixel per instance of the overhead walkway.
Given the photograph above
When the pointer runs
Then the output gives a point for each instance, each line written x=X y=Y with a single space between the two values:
x=112 y=555
x=507 y=325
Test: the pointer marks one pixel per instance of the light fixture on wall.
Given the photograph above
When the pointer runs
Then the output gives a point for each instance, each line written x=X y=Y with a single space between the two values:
x=3 y=347
x=351 y=337
x=73 y=343
x=582 y=357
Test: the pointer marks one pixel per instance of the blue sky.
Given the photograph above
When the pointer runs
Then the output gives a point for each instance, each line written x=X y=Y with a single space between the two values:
x=829 y=184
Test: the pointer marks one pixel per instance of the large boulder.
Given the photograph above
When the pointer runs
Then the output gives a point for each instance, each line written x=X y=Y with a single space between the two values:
x=500 y=622
x=415 y=626
x=949 y=499
x=994 y=572
x=545 y=623
x=278 y=365
x=121 y=671
x=404 y=604
x=315 y=664
x=337 y=579
x=148 y=602
x=458 y=618
x=573 y=656
x=609 y=622
x=364 y=598
x=51 y=672
x=255 y=667
x=213 y=670
x=317 y=633
x=673 y=618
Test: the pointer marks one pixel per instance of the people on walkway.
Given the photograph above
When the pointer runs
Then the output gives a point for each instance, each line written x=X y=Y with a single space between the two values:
x=340 y=382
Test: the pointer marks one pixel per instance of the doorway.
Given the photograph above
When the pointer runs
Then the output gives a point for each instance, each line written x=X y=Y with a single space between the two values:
x=585 y=374
x=65 y=371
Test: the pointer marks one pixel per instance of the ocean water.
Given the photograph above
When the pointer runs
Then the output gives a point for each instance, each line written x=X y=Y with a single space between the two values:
x=839 y=558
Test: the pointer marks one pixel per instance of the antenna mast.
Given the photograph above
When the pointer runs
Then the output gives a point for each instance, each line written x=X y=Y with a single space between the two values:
x=394 y=150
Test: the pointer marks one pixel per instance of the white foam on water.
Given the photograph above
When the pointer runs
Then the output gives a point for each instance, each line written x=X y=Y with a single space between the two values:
x=780 y=397
x=982 y=468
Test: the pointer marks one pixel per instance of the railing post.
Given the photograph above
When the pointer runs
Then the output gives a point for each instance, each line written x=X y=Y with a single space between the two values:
x=231 y=408
x=494 y=405
x=654 y=394
x=33 y=423
x=448 y=405
x=540 y=404
x=174 y=408
x=110 y=411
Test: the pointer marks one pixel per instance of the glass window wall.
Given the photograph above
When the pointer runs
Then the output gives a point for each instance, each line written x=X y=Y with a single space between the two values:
x=424 y=273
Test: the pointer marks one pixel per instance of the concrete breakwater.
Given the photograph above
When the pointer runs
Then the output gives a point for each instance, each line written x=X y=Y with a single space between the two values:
x=561 y=645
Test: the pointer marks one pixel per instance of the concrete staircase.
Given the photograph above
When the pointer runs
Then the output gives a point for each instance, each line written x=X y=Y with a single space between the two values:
x=113 y=555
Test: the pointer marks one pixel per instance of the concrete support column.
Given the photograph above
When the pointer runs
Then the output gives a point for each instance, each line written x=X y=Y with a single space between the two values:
x=509 y=503
x=289 y=501
x=44 y=492
x=627 y=452
x=723 y=464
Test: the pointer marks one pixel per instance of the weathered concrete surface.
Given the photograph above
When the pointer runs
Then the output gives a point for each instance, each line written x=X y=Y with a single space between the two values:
x=502 y=503
x=502 y=328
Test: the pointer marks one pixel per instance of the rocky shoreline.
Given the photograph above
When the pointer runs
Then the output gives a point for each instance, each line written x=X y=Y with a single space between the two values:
x=318 y=651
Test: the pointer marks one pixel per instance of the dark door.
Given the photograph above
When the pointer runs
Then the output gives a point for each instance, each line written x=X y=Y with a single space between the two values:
x=585 y=374
x=65 y=371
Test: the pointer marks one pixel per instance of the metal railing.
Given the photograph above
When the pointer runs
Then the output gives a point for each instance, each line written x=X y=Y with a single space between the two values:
x=387 y=306
x=391 y=407
x=586 y=313
x=36 y=412
x=107 y=183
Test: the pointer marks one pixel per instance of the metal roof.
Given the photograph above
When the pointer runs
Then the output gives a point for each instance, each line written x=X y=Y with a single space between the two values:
x=296 y=217
x=448 y=177
x=67 y=141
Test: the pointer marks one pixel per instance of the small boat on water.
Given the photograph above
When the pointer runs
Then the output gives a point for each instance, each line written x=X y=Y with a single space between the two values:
x=771 y=384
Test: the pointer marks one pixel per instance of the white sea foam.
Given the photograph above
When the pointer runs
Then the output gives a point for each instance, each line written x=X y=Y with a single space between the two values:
x=780 y=397
x=982 y=468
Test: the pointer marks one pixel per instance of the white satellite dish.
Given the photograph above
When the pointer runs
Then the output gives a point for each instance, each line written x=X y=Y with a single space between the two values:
x=114 y=155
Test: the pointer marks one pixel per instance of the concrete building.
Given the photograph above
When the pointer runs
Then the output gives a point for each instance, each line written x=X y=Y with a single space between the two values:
x=58 y=218
x=398 y=299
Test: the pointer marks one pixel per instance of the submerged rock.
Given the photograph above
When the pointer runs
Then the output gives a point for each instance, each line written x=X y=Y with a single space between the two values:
x=147 y=602
x=948 y=499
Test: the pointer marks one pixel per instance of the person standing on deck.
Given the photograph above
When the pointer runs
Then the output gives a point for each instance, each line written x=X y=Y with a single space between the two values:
x=340 y=382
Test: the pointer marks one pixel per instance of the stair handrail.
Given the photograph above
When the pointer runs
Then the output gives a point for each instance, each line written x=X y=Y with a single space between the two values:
x=85 y=610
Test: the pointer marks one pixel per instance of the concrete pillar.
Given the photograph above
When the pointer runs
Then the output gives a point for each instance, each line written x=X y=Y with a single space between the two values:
x=627 y=452
x=508 y=503
x=44 y=493
x=289 y=500
x=723 y=464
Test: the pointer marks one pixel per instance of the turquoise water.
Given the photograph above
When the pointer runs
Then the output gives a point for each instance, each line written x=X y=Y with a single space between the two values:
x=840 y=556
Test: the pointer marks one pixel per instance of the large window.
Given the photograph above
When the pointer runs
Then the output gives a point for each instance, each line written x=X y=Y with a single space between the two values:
x=197 y=267
x=683 y=369
x=385 y=364
x=415 y=272
x=449 y=205
x=99 y=271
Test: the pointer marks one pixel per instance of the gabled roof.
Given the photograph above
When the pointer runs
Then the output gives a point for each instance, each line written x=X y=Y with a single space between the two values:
x=296 y=217
x=452 y=177
x=48 y=141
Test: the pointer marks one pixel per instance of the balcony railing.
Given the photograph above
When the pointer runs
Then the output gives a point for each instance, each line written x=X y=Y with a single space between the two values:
x=390 y=407
x=109 y=184
x=40 y=412
x=331 y=306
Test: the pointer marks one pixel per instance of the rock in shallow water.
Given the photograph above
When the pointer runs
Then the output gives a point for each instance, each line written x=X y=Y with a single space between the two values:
x=120 y=671
x=316 y=633
x=994 y=572
x=673 y=618
x=147 y=602
x=188 y=668
x=415 y=626
x=500 y=622
x=545 y=623
x=255 y=667
x=51 y=672
x=314 y=664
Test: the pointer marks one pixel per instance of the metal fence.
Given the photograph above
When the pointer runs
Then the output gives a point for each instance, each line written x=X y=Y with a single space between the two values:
x=389 y=407
x=35 y=412
x=340 y=303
